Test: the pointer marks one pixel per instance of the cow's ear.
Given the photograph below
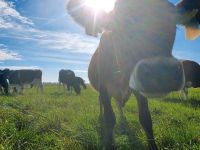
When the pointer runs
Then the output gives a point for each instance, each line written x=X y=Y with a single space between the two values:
x=191 y=33
x=190 y=17
x=86 y=17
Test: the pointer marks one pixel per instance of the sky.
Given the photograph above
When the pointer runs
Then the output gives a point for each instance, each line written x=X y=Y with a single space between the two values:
x=40 y=34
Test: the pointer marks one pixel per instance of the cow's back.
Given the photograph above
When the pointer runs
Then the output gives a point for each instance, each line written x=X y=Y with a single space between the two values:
x=14 y=77
x=25 y=76
x=66 y=76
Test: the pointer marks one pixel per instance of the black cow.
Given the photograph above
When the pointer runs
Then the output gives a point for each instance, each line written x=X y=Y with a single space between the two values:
x=67 y=77
x=192 y=75
x=81 y=82
x=4 y=83
x=32 y=77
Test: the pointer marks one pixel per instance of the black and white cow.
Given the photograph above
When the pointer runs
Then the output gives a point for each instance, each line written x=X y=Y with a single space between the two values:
x=4 y=83
x=192 y=75
x=67 y=78
x=19 y=78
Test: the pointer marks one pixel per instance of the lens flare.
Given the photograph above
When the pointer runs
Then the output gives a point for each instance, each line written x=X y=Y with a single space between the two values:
x=99 y=5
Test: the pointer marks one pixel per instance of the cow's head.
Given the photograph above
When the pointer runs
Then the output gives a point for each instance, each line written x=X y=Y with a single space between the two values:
x=157 y=76
x=162 y=74
x=77 y=88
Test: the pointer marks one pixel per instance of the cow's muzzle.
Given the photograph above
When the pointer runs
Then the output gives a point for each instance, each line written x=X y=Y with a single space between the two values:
x=157 y=76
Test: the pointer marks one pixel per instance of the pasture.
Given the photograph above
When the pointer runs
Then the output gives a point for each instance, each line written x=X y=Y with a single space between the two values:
x=56 y=120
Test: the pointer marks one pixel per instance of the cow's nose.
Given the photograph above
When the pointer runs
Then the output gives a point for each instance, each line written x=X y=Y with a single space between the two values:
x=157 y=76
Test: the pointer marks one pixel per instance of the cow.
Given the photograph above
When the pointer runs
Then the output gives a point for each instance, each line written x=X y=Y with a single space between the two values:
x=192 y=75
x=81 y=82
x=67 y=78
x=4 y=82
x=19 y=78
x=134 y=55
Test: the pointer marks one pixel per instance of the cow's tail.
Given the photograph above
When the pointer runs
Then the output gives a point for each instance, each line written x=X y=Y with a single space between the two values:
x=190 y=9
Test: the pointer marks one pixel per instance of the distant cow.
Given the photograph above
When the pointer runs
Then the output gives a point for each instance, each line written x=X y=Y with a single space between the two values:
x=67 y=78
x=192 y=75
x=4 y=83
x=81 y=82
x=19 y=78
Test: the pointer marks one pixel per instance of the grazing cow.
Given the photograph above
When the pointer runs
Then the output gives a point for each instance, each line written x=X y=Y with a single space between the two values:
x=81 y=82
x=67 y=78
x=4 y=83
x=19 y=78
x=134 y=54
x=192 y=75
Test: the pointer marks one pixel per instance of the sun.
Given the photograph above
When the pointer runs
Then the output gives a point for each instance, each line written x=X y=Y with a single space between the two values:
x=99 y=5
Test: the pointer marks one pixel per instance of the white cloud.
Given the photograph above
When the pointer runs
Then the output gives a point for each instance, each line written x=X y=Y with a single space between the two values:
x=63 y=41
x=6 y=54
x=14 y=25
x=5 y=24
x=59 y=41
x=19 y=27
x=55 y=41
x=9 y=16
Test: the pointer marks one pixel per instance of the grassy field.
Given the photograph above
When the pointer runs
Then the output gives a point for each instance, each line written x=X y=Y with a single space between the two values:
x=55 y=120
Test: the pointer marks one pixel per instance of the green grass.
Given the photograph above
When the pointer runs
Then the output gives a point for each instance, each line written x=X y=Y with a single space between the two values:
x=56 y=120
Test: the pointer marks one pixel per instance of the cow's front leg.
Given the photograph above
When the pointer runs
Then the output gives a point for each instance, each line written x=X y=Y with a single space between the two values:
x=185 y=90
x=183 y=94
x=145 y=119
x=109 y=121
x=100 y=109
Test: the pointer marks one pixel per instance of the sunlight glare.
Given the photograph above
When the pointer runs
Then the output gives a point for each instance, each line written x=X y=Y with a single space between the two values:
x=97 y=5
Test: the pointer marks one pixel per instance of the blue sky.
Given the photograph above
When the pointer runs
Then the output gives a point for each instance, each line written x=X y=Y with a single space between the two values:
x=40 y=34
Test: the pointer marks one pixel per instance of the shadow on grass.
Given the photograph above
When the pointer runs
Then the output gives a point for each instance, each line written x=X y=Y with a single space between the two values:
x=16 y=105
x=192 y=102
x=126 y=138
x=127 y=129
x=61 y=94
x=10 y=95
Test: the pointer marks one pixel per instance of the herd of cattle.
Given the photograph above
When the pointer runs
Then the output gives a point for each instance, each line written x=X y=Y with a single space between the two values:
x=134 y=55
x=15 y=80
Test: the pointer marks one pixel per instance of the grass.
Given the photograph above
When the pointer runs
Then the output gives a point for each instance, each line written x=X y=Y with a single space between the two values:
x=56 y=120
